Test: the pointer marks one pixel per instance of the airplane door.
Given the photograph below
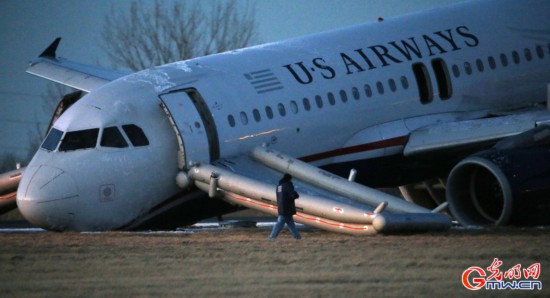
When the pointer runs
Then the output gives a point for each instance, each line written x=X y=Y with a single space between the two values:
x=193 y=125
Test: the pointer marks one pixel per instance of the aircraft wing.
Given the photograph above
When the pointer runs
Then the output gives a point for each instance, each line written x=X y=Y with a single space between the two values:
x=445 y=136
x=326 y=201
x=79 y=76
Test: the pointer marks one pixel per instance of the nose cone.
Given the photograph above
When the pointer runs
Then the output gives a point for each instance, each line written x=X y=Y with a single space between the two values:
x=48 y=198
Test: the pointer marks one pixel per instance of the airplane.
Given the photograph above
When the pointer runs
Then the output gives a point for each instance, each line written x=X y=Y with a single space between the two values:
x=450 y=104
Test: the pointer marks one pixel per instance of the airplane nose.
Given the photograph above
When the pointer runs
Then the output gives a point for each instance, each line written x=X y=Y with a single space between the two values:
x=48 y=198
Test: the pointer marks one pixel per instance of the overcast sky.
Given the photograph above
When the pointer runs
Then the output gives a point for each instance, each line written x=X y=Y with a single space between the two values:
x=28 y=26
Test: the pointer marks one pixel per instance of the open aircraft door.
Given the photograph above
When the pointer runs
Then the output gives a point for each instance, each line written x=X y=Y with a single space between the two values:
x=194 y=127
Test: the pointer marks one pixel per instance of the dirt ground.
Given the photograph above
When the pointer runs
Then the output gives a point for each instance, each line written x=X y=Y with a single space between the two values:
x=244 y=263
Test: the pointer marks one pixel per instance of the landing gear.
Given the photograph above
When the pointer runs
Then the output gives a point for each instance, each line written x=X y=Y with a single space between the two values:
x=428 y=194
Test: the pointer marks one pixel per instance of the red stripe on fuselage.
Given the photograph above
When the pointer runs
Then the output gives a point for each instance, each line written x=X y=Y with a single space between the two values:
x=397 y=141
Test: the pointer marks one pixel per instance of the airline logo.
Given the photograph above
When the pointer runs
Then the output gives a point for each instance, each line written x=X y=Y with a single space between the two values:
x=382 y=55
x=264 y=81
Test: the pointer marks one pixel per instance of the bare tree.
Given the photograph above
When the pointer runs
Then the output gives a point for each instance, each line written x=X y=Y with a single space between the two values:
x=173 y=31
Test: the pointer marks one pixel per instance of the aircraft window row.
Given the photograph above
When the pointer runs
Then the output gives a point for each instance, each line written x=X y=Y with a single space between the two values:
x=80 y=139
x=331 y=97
x=504 y=60
x=52 y=140
x=136 y=135
x=112 y=138
x=87 y=138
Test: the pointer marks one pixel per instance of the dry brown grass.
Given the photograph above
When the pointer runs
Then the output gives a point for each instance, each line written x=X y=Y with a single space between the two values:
x=245 y=263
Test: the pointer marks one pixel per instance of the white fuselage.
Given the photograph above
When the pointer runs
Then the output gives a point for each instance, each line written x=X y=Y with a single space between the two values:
x=340 y=96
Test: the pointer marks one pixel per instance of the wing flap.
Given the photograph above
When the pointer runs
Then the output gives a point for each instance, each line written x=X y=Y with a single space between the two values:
x=446 y=136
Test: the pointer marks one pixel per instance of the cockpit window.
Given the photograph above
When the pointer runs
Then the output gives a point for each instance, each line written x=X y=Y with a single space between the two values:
x=82 y=139
x=113 y=138
x=136 y=135
x=52 y=140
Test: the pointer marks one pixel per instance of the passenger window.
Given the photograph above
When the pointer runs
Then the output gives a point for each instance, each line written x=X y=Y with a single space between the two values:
x=294 y=107
x=380 y=88
x=504 y=60
x=244 y=118
x=368 y=90
x=136 y=135
x=540 y=52
x=256 y=115
x=343 y=96
x=479 y=65
x=515 y=57
x=82 y=139
x=468 y=68
x=331 y=99
x=231 y=120
x=282 y=110
x=356 y=94
x=492 y=63
x=404 y=82
x=393 y=87
x=269 y=112
x=113 y=138
x=307 y=106
x=319 y=101
x=528 y=55
x=456 y=71
x=52 y=140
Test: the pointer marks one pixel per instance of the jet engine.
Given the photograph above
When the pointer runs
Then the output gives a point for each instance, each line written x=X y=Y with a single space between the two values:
x=508 y=184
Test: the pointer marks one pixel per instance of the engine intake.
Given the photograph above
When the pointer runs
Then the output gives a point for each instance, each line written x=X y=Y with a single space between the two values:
x=500 y=187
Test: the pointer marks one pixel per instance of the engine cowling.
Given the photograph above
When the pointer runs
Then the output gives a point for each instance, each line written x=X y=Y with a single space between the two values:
x=500 y=187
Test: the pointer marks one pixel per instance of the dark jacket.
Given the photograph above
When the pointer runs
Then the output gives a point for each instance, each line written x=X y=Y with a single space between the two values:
x=285 y=198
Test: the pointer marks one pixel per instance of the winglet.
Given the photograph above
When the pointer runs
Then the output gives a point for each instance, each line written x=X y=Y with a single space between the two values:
x=50 y=51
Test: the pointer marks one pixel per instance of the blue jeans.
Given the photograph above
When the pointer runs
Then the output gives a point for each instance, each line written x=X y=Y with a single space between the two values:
x=281 y=220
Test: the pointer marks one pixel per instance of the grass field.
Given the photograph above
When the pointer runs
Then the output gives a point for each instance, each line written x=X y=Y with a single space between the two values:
x=244 y=263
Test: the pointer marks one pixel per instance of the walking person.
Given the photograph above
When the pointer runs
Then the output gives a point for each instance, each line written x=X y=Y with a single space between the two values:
x=286 y=195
